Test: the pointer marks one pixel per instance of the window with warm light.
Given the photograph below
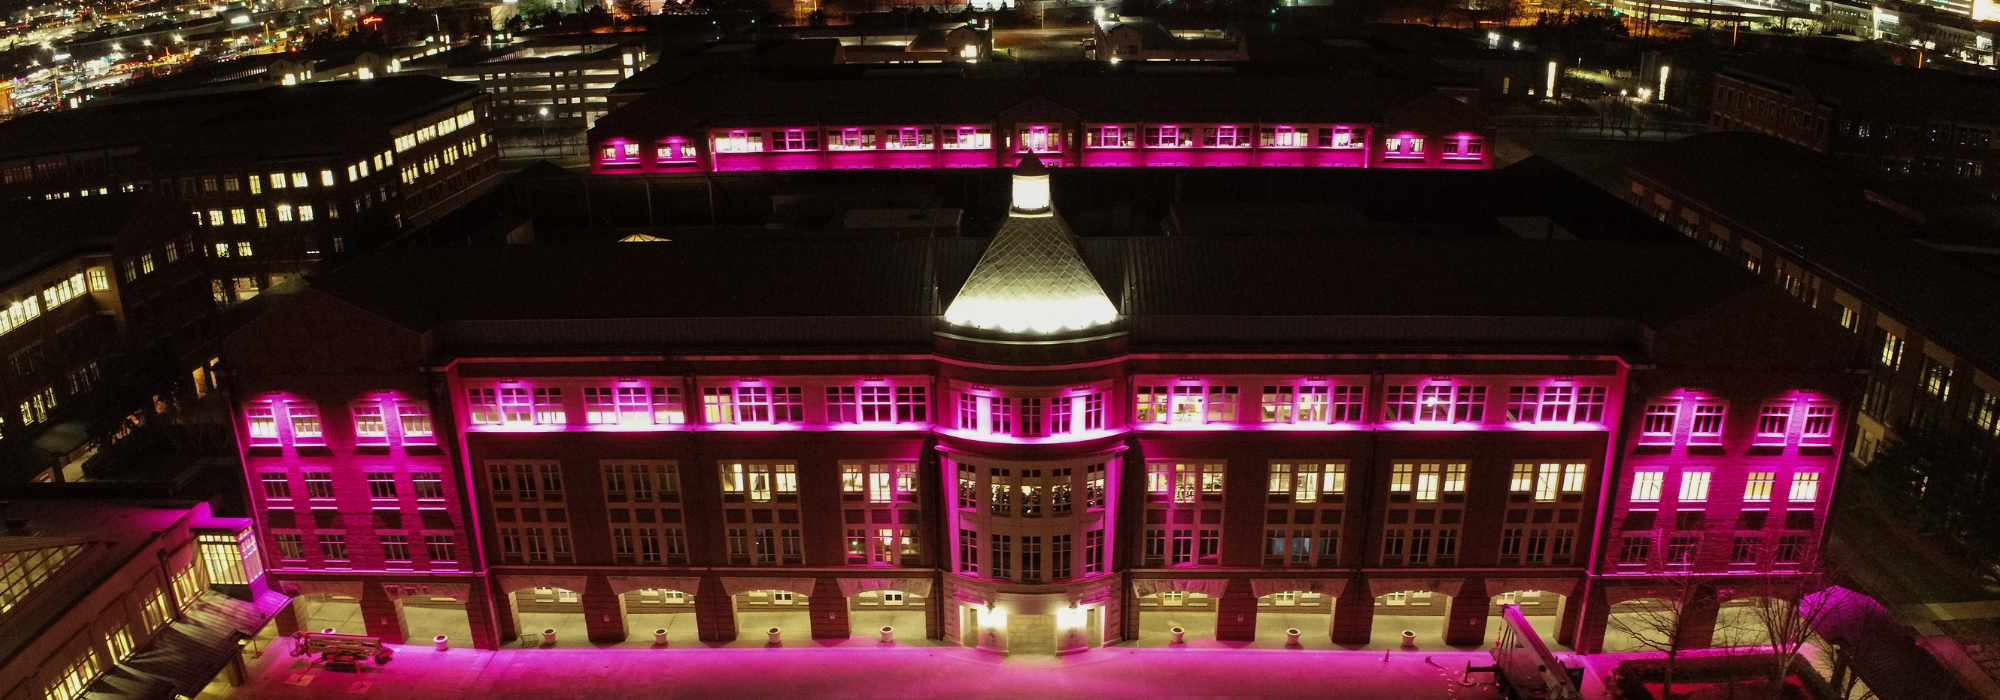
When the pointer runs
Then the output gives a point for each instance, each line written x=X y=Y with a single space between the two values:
x=1694 y=485
x=760 y=482
x=1758 y=486
x=1646 y=485
x=1805 y=486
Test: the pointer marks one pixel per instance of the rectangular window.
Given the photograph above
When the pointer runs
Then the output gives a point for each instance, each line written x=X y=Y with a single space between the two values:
x=381 y=484
x=428 y=485
x=1003 y=556
x=1818 y=429
x=1707 y=426
x=1031 y=558
x=291 y=546
x=1681 y=548
x=263 y=424
x=1791 y=548
x=396 y=548
x=1744 y=551
x=968 y=552
x=1635 y=550
x=1646 y=485
x=415 y=421
x=1277 y=403
x=304 y=417
x=1658 y=426
x=1093 y=552
x=1347 y=404
x=1694 y=485
x=369 y=428
x=275 y=485
x=1221 y=404
x=319 y=484
x=1149 y=404
x=877 y=405
x=968 y=486
x=1547 y=478
x=842 y=405
x=439 y=549
x=1773 y=422
x=1758 y=486
x=718 y=404
x=1805 y=486
x=333 y=547
x=1891 y=355
x=1031 y=418
x=1188 y=404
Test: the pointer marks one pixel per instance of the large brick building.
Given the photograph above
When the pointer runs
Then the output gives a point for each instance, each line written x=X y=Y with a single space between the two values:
x=1033 y=443
x=277 y=177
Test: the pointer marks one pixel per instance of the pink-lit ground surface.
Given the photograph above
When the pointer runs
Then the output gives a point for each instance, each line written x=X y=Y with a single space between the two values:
x=868 y=671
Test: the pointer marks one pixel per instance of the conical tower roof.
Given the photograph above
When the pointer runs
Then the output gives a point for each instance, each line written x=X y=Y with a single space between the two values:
x=1031 y=279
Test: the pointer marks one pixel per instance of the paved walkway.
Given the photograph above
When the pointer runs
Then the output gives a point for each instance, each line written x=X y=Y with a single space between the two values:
x=1118 y=673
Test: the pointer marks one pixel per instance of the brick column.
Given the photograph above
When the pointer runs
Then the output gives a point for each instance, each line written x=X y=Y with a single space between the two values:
x=1465 y=624
x=378 y=613
x=603 y=617
x=934 y=609
x=1354 y=614
x=481 y=617
x=505 y=625
x=1596 y=617
x=1112 y=617
x=1567 y=626
x=714 y=612
x=288 y=618
x=828 y=608
x=1236 y=613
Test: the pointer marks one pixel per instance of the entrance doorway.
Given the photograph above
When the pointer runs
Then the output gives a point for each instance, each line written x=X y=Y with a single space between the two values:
x=426 y=617
x=1422 y=612
x=758 y=612
x=539 y=611
x=1542 y=608
x=649 y=610
x=869 y=611
x=1160 y=613
x=321 y=611
x=1308 y=612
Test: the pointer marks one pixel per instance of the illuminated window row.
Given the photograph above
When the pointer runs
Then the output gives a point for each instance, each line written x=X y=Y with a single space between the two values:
x=1700 y=421
x=376 y=421
x=1194 y=402
x=1648 y=485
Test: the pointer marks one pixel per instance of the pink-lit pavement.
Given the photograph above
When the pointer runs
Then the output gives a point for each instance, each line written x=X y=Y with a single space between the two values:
x=847 y=672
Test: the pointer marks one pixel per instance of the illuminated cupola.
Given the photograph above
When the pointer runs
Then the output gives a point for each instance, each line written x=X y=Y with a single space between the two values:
x=1031 y=279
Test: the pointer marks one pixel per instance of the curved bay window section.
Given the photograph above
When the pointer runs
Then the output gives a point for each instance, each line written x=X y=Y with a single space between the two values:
x=1031 y=522
x=1037 y=415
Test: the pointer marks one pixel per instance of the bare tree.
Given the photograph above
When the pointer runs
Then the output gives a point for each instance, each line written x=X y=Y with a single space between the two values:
x=1846 y=683
x=1668 y=624
x=1790 y=610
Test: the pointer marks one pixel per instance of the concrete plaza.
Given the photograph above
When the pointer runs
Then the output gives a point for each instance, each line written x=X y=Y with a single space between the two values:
x=857 y=669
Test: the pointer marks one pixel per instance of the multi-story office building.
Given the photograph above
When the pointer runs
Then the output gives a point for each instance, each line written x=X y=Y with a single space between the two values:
x=1033 y=443
x=1916 y=295
x=1097 y=118
x=277 y=177
x=70 y=315
x=546 y=89
x=1879 y=120
x=156 y=593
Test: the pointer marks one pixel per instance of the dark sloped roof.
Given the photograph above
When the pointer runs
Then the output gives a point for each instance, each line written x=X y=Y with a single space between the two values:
x=183 y=130
x=35 y=234
x=957 y=97
x=682 y=279
x=1654 y=283
x=1877 y=90
x=1807 y=204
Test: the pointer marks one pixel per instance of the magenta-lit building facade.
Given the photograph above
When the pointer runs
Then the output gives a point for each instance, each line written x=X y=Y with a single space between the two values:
x=1103 y=120
x=974 y=435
